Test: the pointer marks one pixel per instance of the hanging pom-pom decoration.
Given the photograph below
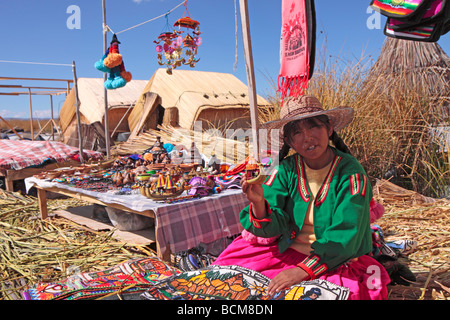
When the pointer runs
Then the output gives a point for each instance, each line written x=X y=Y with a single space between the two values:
x=112 y=63
x=99 y=65
x=126 y=75
x=114 y=58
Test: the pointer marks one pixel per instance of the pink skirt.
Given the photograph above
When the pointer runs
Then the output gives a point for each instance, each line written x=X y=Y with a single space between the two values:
x=365 y=278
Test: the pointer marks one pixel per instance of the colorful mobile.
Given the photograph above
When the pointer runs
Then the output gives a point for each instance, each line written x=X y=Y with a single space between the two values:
x=170 y=44
x=112 y=63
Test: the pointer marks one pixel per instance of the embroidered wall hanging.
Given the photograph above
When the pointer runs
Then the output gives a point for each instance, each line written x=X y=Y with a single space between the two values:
x=135 y=275
x=237 y=283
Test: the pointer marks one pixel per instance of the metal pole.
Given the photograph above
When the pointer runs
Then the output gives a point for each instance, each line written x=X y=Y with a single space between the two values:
x=77 y=108
x=105 y=92
x=250 y=75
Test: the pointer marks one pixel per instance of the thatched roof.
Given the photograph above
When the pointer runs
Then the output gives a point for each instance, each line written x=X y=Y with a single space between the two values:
x=194 y=93
x=416 y=64
x=91 y=99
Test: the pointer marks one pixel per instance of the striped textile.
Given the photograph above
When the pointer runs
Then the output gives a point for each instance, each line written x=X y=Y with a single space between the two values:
x=184 y=225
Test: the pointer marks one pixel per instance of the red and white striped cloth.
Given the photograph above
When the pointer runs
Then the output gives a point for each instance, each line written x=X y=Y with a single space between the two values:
x=24 y=153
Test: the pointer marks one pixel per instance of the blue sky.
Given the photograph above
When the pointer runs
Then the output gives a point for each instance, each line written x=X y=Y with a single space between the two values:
x=37 y=31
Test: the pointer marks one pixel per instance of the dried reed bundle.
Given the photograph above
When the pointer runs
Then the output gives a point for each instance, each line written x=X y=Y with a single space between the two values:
x=34 y=250
x=209 y=142
x=411 y=216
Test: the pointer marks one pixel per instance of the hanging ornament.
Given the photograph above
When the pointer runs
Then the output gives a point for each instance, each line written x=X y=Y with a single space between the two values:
x=167 y=48
x=190 y=42
x=112 y=63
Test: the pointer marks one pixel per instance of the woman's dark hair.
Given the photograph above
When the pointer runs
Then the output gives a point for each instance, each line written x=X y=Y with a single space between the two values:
x=290 y=126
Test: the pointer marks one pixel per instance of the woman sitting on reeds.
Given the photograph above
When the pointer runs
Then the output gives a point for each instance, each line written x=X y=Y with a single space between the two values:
x=311 y=217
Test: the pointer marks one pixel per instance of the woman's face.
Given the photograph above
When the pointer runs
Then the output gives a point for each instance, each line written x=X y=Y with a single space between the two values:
x=310 y=139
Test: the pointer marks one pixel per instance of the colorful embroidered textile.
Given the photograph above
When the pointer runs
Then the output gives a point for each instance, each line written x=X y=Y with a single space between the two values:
x=237 y=283
x=432 y=15
x=297 y=46
x=411 y=9
x=24 y=153
x=420 y=20
x=429 y=33
x=131 y=276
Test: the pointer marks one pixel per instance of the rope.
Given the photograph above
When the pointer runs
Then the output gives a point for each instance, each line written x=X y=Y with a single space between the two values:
x=142 y=23
x=41 y=63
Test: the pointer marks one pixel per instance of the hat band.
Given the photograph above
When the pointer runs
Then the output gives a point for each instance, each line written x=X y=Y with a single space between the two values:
x=300 y=111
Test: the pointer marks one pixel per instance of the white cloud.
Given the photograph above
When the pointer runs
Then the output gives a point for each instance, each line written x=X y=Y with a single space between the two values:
x=5 y=113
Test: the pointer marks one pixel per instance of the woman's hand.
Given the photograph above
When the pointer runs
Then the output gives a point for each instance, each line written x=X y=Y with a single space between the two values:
x=255 y=194
x=286 y=279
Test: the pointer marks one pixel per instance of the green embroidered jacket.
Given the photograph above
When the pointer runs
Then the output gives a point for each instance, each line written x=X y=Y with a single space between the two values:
x=341 y=211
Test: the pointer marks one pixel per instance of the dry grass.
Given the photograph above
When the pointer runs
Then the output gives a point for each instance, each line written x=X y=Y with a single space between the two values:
x=25 y=124
x=34 y=250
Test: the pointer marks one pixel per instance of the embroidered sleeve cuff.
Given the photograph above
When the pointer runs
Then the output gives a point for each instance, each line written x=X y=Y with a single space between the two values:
x=257 y=222
x=313 y=266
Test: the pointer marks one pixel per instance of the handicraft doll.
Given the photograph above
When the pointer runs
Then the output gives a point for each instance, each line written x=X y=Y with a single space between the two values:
x=112 y=63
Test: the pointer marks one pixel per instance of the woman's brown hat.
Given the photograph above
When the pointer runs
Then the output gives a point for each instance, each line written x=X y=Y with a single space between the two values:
x=302 y=107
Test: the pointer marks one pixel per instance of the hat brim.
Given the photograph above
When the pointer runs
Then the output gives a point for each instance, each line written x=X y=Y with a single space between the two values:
x=340 y=117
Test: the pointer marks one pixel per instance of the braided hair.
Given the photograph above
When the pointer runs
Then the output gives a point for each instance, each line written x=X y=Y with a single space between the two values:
x=289 y=127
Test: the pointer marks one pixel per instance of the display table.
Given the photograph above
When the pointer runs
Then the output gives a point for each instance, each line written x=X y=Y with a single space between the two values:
x=178 y=226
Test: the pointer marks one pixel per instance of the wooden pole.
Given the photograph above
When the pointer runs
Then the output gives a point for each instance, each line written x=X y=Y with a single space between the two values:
x=31 y=114
x=51 y=116
x=105 y=92
x=77 y=108
x=250 y=75
x=9 y=126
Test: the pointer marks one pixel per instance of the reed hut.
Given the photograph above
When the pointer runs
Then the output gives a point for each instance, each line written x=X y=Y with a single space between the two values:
x=92 y=109
x=219 y=100
x=405 y=65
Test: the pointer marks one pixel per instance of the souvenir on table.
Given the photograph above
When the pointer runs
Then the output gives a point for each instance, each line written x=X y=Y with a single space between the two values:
x=254 y=172
x=198 y=187
x=156 y=154
x=112 y=63
x=163 y=189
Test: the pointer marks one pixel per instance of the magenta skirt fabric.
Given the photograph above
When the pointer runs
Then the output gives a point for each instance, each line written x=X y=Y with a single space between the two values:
x=365 y=278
